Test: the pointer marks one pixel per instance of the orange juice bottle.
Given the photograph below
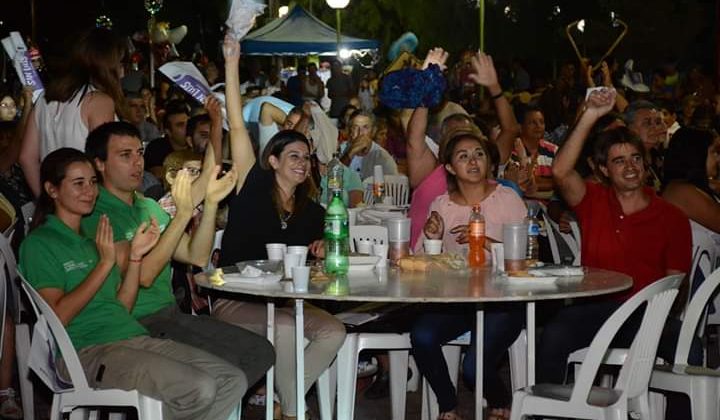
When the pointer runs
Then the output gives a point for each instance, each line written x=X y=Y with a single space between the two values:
x=476 y=238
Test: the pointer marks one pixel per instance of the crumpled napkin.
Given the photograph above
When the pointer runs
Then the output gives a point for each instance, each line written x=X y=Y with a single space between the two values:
x=242 y=17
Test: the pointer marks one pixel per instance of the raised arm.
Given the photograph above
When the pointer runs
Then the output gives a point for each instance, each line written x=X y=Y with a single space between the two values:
x=567 y=180
x=240 y=146
x=270 y=114
x=161 y=254
x=485 y=75
x=214 y=109
x=196 y=249
x=420 y=158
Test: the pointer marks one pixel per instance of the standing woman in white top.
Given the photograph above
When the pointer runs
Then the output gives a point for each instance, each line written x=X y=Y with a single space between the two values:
x=85 y=96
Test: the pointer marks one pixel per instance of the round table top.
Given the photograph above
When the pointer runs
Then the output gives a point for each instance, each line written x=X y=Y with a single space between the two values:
x=394 y=285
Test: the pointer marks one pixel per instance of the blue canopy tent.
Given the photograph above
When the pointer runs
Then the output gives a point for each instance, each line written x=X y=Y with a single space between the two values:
x=300 y=33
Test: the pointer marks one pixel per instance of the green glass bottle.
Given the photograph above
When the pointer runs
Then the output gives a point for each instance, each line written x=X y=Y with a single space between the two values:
x=336 y=236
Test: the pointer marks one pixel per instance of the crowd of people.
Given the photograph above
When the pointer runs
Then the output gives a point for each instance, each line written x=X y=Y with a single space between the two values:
x=131 y=186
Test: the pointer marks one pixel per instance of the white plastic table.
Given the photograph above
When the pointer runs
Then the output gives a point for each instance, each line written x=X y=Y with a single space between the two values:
x=463 y=286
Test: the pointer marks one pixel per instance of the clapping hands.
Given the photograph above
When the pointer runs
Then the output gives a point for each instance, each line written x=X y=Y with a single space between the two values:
x=146 y=236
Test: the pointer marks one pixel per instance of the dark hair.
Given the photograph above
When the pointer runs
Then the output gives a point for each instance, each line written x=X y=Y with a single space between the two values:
x=636 y=106
x=52 y=170
x=174 y=107
x=448 y=148
x=95 y=59
x=305 y=191
x=523 y=110
x=609 y=138
x=686 y=157
x=96 y=146
x=582 y=166
x=343 y=111
x=193 y=122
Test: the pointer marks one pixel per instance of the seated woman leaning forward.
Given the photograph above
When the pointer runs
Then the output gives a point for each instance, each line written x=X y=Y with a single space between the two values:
x=466 y=157
x=80 y=281
x=273 y=204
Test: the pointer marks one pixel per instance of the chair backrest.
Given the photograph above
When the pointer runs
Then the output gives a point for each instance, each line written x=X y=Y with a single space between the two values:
x=217 y=244
x=572 y=240
x=375 y=234
x=635 y=374
x=693 y=313
x=6 y=249
x=56 y=340
x=396 y=186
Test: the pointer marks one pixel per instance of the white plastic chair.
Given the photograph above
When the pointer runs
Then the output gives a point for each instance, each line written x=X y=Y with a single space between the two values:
x=700 y=384
x=396 y=186
x=630 y=393
x=451 y=352
x=374 y=234
x=51 y=333
x=571 y=239
x=22 y=330
x=347 y=361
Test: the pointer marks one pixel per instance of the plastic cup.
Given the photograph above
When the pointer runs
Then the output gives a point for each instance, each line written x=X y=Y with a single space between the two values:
x=398 y=229
x=381 y=250
x=432 y=246
x=352 y=216
x=515 y=246
x=364 y=246
x=300 y=250
x=276 y=251
x=301 y=278
x=290 y=261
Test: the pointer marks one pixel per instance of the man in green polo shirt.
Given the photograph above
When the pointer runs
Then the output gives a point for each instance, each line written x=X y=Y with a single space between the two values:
x=117 y=152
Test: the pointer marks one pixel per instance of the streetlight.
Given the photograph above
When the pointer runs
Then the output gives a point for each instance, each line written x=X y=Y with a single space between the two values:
x=282 y=11
x=337 y=5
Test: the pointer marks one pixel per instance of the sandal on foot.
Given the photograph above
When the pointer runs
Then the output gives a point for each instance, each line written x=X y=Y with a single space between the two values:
x=449 y=415
x=498 y=414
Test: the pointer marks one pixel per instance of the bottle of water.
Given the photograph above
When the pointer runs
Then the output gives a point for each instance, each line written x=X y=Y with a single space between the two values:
x=533 y=246
x=334 y=177
x=337 y=236
x=476 y=238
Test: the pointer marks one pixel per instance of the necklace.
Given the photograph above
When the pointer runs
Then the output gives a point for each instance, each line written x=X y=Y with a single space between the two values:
x=284 y=219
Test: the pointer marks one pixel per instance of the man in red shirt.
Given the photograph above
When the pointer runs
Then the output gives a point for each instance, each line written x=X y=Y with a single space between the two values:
x=625 y=227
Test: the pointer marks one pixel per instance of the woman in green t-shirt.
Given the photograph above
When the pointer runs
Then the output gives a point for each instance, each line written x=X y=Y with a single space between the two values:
x=79 y=279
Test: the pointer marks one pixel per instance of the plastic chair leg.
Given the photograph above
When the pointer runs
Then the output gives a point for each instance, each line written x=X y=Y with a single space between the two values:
x=398 y=382
x=347 y=360
x=326 y=391
x=22 y=351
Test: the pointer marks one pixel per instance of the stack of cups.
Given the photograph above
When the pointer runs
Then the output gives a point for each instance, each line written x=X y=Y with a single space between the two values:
x=515 y=237
x=398 y=238
x=296 y=256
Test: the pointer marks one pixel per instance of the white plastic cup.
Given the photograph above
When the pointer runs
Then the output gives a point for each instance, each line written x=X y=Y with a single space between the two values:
x=276 y=251
x=381 y=250
x=398 y=229
x=515 y=236
x=352 y=216
x=301 y=278
x=290 y=261
x=364 y=246
x=301 y=250
x=432 y=246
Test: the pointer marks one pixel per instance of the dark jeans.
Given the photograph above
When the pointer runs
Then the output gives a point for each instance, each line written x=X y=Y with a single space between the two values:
x=574 y=327
x=441 y=324
x=250 y=352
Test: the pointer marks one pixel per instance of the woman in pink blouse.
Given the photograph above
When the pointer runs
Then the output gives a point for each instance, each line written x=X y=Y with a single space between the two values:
x=469 y=161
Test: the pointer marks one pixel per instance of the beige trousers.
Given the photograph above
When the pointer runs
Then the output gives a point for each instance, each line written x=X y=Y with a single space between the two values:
x=191 y=383
x=324 y=332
